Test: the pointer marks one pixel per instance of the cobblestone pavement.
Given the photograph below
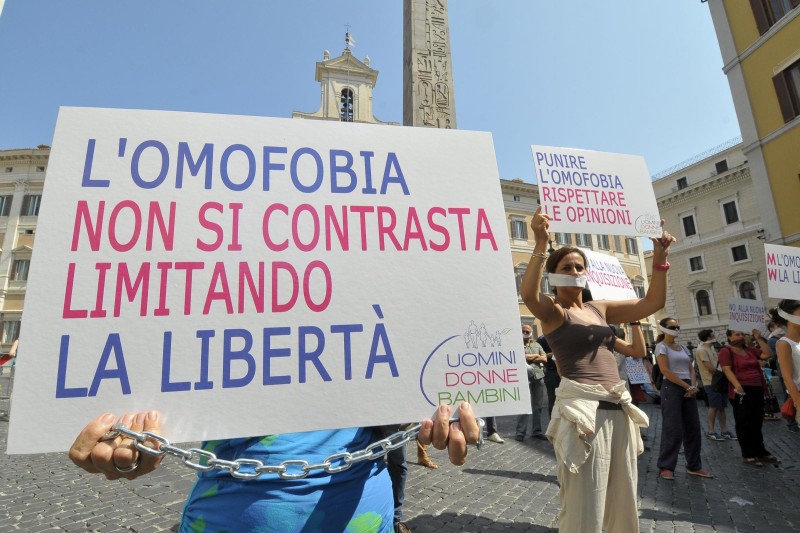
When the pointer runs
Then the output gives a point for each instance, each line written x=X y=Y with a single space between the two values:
x=503 y=487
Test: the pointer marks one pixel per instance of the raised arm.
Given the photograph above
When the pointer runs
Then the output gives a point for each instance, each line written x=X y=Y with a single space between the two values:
x=766 y=351
x=633 y=310
x=542 y=306
x=636 y=348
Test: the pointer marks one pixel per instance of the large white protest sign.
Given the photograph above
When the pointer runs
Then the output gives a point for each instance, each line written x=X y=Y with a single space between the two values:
x=783 y=271
x=596 y=192
x=607 y=278
x=746 y=315
x=248 y=276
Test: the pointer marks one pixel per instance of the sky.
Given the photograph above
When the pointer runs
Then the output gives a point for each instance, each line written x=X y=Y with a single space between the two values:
x=629 y=76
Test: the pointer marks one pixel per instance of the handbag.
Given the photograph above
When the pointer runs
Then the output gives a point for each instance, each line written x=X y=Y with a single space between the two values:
x=788 y=409
x=701 y=395
x=719 y=381
x=658 y=377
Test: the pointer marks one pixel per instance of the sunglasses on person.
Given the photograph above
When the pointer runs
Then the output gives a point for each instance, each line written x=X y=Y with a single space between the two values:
x=673 y=328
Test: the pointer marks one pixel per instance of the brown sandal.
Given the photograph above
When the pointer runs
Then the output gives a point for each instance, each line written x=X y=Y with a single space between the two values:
x=422 y=457
x=752 y=461
x=771 y=459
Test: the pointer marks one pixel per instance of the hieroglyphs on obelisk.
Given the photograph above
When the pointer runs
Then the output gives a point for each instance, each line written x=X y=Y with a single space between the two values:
x=428 y=95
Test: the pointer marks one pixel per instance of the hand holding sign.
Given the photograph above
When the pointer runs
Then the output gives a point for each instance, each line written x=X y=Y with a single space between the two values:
x=590 y=192
x=661 y=245
x=455 y=436
x=540 y=225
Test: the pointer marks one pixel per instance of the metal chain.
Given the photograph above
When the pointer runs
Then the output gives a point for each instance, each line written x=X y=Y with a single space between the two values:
x=205 y=461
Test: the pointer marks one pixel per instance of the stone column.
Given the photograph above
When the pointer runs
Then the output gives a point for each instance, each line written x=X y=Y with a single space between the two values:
x=428 y=89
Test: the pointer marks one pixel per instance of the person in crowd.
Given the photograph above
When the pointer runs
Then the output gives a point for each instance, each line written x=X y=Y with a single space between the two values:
x=535 y=359
x=717 y=402
x=13 y=350
x=356 y=499
x=397 y=466
x=595 y=427
x=620 y=358
x=648 y=361
x=787 y=315
x=551 y=377
x=742 y=366
x=776 y=331
x=10 y=356
x=636 y=350
x=491 y=431
x=680 y=423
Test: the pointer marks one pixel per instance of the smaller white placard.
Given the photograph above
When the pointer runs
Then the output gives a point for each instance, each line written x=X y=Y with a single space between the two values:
x=746 y=315
x=607 y=278
x=596 y=192
x=637 y=373
x=783 y=271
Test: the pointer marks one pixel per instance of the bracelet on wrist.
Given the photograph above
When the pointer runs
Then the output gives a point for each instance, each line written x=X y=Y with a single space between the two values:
x=662 y=268
x=541 y=255
x=637 y=323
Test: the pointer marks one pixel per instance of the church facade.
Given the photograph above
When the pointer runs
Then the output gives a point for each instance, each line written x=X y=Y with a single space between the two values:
x=346 y=85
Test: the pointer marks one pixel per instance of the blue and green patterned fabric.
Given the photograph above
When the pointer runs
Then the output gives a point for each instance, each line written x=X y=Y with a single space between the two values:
x=356 y=500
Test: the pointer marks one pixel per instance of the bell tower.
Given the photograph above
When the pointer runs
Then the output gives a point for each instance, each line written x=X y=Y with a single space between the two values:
x=346 y=88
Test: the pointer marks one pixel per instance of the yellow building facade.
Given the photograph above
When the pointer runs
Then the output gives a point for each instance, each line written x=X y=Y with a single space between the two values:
x=760 y=45
x=21 y=181
x=709 y=204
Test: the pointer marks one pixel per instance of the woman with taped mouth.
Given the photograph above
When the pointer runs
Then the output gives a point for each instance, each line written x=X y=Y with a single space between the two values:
x=680 y=423
x=594 y=426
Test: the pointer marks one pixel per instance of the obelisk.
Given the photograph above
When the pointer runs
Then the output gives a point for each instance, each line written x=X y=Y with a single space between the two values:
x=428 y=95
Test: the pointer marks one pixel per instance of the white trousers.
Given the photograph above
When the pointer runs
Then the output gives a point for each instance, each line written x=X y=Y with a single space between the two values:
x=609 y=470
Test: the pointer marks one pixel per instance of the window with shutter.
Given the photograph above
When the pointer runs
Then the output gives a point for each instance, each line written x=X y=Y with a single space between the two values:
x=787 y=89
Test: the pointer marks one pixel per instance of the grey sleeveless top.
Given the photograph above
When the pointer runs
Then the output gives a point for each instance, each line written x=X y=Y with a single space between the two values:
x=584 y=351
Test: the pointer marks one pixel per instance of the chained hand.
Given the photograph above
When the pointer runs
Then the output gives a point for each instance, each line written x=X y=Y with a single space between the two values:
x=451 y=435
x=114 y=455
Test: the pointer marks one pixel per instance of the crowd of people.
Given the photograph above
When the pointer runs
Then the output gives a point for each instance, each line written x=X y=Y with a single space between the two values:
x=575 y=370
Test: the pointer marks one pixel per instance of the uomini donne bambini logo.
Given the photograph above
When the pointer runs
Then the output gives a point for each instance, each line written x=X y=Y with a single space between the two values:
x=473 y=366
